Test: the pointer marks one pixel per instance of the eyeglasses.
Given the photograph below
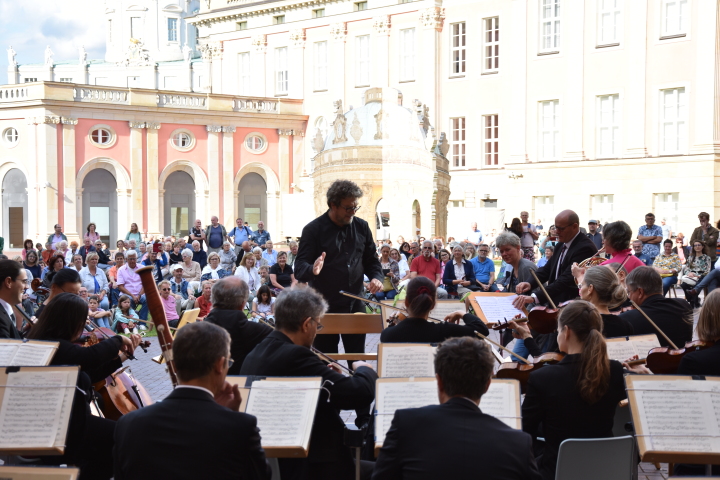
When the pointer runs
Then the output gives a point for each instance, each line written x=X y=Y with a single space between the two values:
x=351 y=209
x=483 y=251
x=560 y=229
x=319 y=326
x=164 y=289
x=580 y=285
x=25 y=282
x=427 y=248
x=230 y=362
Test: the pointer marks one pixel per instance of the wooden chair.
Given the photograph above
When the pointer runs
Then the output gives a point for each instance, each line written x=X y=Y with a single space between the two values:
x=188 y=316
x=352 y=323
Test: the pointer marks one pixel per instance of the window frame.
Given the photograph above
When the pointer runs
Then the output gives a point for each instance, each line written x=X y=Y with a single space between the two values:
x=259 y=151
x=493 y=139
x=684 y=30
x=458 y=147
x=282 y=73
x=660 y=207
x=681 y=121
x=139 y=25
x=362 y=55
x=618 y=26
x=176 y=30
x=407 y=48
x=244 y=74
x=182 y=131
x=8 y=142
x=279 y=20
x=462 y=38
x=556 y=130
x=601 y=199
x=615 y=126
x=318 y=13
x=240 y=26
x=360 y=6
x=111 y=141
x=556 y=21
x=490 y=44
x=320 y=66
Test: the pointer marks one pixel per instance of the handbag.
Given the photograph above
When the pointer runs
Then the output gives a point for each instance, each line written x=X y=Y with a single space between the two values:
x=685 y=280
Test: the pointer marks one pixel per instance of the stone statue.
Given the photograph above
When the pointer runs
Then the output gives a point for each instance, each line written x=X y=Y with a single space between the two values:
x=339 y=123
x=356 y=130
x=11 y=57
x=187 y=53
x=381 y=119
x=318 y=144
x=83 y=55
x=48 y=56
x=442 y=147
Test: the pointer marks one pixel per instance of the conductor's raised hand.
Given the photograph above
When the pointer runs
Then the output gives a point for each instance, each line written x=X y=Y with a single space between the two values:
x=229 y=396
x=454 y=317
x=318 y=265
x=375 y=285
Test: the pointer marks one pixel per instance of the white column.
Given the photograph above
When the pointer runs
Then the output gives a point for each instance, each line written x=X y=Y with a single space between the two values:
x=227 y=176
x=47 y=174
x=571 y=103
x=71 y=218
x=705 y=136
x=381 y=51
x=136 y=175
x=432 y=20
x=12 y=72
x=258 y=57
x=300 y=165
x=155 y=228
x=284 y=159
x=296 y=63
x=634 y=102
x=213 y=154
x=124 y=219
x=161 y=211
x=516 y=63
x=336 y=59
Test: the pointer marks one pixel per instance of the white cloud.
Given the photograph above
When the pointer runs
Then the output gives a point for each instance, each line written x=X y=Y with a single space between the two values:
x=31 y=25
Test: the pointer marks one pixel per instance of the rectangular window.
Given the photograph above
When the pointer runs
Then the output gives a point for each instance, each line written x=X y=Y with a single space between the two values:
x=30 y=79
x=667 y=207
x=549 y=26
x=609 y=21
x=549 y=131
x=457 y=54
x=457 y=145
x=362 y=67
x=675 y=17
x=318 y=13
x=360 y=6
x=172 y=29
x=491 y=61
x=321 y=66
x=281 y=71
x=544 y=207
x=279 y=20
x=109 y=31
x=602 y=208
x=608 y=143
x=491 y=136
x=135 y=27
x=66 y=80
x=241 y=26
x=407 y=54
x=673 y=120
x=244 y=73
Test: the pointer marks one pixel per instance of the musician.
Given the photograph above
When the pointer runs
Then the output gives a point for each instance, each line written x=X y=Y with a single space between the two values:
x=601 y=287
x=456 y=440
x=62 y=321
x=616 y=242
x=672 y=315
x=573 y=248
x=197 y=431
x=229 y=296
x=66 y=280
x=14 y=282
x=575 y=398
x=337 y=248
x=419 y=302
x=286 y=353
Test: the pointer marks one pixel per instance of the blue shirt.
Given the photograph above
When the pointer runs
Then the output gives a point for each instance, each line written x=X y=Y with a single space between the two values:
x=543 y=261
x=651 y=250
x=240 y=235
x=215 y=236
x=270 y=257
x=645 y=259
x=179 y=289
x=482 y=269
x=475 y=237
x=261 y=238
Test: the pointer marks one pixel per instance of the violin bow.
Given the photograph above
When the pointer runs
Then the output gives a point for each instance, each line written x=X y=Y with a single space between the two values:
x=436 y=321
x=654 y=325
x=543 y=289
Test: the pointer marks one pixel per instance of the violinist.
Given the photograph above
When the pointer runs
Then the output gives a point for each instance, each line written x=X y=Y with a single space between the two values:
x=672 y=315
x=66 y=280
x=706 y=361
x=419 y=302
x=601 y=287
x=577 y=397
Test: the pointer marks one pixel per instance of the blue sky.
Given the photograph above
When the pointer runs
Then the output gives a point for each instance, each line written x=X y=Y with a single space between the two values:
x=31 y=25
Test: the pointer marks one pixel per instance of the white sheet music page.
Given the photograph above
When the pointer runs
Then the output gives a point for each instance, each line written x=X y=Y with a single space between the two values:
x=444 y=308
x=497 y=309
x=391 y=396
x=644 y=343
x=33 y=355
x=679 y=415
x=7 y=353
x=501 y=402
x=620 y=349
x=284 y=411
x=30 y=416
x=400 y=361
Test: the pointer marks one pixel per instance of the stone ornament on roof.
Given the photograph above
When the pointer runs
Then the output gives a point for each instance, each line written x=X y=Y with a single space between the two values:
x=48 y=56
x=136 y=55
x=11 y=57
x=356 y=130
x=82 y=55
x=339 y=123
x=318 y=143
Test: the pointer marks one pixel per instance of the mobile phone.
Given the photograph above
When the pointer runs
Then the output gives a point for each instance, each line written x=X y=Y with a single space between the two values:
x=157 y=247
x=385 y=271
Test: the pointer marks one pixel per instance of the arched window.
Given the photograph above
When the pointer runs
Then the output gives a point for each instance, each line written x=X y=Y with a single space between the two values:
x=10 y=136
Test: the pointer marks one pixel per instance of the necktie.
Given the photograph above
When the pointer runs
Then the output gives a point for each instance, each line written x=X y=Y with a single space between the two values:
x=12 y=317
x=560 y=260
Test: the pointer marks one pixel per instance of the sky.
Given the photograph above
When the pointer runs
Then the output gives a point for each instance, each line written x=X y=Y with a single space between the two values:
x=31 y=25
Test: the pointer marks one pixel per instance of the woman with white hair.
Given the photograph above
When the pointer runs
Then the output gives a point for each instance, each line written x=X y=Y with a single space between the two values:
x=248 y=272
x=213 y=271
x=227 y=257
x=191 y=270
x=259 y=260
x=95 y=280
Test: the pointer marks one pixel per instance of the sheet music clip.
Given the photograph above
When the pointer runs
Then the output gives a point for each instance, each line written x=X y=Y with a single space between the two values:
x=322 y=387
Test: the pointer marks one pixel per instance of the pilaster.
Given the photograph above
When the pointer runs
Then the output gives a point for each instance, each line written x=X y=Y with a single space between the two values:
x=154 y=226
x=137 y=172
x=213 y=158
x=634 y=102
x=47 y=174
x=704 y=135
x=336 y=81
x=71 y=217
x=572 y=101
x=297 y=60
x=432 y=20
x=284 y=159
x=381 y=51
x=517 y=66
x=258 y=58
x=227 y=216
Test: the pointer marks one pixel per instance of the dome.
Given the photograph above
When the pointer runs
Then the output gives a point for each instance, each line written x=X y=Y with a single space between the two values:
x=381 y=121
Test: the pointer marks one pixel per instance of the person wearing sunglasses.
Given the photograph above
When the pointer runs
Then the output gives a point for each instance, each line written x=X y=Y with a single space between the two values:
x=336 y=250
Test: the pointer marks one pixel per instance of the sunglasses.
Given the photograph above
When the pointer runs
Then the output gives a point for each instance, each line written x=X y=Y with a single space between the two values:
x=164 y=289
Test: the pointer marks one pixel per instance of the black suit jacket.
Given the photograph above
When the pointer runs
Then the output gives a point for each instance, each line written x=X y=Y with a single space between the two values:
x=701 y=362
x=669 y=314
x=563 y=287
x=554 y=401
x=245 y=335
x=277 y=356
x=7 y=326
x=455 y=441
x=188 y=435
x=419 y=330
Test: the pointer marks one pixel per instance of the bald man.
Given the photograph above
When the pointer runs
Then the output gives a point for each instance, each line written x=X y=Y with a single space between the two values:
x=573 y=247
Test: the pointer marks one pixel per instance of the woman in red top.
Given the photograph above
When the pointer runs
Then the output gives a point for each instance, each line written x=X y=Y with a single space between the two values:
x=203 y=302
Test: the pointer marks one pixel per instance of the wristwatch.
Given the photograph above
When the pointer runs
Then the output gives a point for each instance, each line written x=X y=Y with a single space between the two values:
x=534 y=297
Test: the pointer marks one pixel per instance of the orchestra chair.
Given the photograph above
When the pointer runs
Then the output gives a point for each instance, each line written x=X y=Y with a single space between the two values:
x=597 y=459
x=275 y=468
x=352 y=323
x=621 y=419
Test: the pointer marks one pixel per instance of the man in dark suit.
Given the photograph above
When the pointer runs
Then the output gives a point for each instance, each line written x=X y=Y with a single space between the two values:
x=197 y=431
x=228 y=300
x=286 y=353
x=455 y=439
x=574 y=247
x=672 y=315
x=13 y=282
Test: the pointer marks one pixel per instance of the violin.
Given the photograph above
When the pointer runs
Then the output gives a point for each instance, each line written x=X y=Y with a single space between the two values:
x=666 y=360
x=521 y=371
x=544 y=319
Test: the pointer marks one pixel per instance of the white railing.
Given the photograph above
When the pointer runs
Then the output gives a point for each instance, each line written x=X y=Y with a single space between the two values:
x=256 y=105
x=181 y=100
x=101 y=95
x=13 y=93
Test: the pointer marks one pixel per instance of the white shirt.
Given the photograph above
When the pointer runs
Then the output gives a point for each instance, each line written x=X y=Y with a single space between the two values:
x=197 y=388
x=7 y=307
x=250 y=277
x=565 y=249
x=459 y=270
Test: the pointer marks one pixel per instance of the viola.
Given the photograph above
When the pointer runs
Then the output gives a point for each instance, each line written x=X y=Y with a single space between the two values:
x=666 y=360
x=521 y=371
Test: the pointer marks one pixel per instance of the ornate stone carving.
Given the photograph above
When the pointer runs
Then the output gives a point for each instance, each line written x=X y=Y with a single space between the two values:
x=211 y=50
x=318 y=143
x=285 y=131
x=381 y=25
x=52 y=120
x=339 y=123
x=381 y=120
x=228 y=129
x=153 y=125
x=297 y=37
x=48 y=56
x=213 y=128
x=136 y=124
x=136 y=55
x=356 y=130
x=319 y=198
x=433 y=17
x=442 y=146
x=339 y=31
x=69 y=121
x=260 y=43
x=11 y=57
x=423 y=114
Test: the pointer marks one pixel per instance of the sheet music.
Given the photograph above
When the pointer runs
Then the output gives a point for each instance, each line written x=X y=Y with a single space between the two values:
x=644 y=345
x=31 y=417
x=407 y=361
x=17 y=353
x=501 y=402
x=444 y=308
x=622 y=348
x=7 y=353
x=391 y=396
x=679 y=415
x=498 y=308
x=284 y=410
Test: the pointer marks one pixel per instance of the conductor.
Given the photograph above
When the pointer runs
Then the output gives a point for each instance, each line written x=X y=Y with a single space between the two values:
x=336 y=250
